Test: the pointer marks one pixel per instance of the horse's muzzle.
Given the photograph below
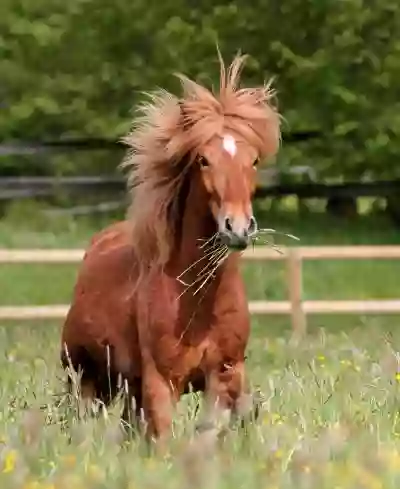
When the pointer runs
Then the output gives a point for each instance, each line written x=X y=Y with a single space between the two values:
x=237 y=233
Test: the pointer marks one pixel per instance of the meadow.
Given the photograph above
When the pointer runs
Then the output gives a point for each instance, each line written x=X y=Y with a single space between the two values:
x=330 y=415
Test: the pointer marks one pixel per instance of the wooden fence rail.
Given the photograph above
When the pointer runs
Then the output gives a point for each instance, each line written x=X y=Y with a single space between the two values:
x=295 y=306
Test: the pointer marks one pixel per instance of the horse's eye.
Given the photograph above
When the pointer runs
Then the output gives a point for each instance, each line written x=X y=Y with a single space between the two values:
x=203 y=162
x=256 y=162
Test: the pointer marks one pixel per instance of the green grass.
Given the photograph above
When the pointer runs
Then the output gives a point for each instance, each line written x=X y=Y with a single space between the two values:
x=330 y=417
x=329 y=420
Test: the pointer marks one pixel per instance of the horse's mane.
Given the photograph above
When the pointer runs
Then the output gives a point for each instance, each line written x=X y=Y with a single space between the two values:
x=168 y=129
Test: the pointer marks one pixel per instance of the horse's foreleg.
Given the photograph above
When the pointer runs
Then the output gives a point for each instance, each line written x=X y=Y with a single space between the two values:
x=224 y=390
x=83 y=393
x=157 y=403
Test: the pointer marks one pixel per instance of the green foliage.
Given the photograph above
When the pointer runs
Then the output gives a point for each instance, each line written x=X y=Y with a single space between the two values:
x=77 y=68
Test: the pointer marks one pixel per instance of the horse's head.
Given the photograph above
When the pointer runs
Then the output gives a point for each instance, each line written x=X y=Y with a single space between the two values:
x=230 y=132
x=221 y=136
x=227 y=167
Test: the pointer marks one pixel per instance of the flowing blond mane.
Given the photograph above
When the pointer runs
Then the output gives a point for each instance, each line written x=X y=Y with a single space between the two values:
x=169 y=128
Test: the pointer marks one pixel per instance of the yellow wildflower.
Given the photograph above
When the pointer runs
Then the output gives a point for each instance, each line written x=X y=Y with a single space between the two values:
x=32 y=485
x=95 y=473
x=392 y=459
x=69 y=460
x=9 y=462
x=151 y=463
x=397 y=376
x=276 y=417
x=321 y=358
x=367 y=478
x=38 y=485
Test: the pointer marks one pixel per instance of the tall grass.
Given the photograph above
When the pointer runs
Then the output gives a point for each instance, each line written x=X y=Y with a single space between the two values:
x=329 y=419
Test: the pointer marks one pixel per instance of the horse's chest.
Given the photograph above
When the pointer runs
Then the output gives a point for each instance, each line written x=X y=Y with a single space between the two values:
x=191 y=357
x=189 y=338
x=176 y=357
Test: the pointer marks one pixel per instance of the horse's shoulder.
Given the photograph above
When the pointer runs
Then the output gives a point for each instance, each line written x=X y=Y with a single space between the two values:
x=115 y=233
x=111 y=247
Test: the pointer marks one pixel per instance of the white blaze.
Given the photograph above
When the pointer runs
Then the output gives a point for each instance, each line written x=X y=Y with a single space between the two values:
x=229 y=145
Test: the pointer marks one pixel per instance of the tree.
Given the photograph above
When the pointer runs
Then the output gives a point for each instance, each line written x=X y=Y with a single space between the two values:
x=77 y=68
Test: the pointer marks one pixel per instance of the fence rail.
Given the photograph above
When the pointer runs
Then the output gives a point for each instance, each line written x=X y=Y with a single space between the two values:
x=270 y=184
x=295 y=306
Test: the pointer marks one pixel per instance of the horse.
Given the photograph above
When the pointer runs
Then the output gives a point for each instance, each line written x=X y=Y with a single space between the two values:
x=159 y=305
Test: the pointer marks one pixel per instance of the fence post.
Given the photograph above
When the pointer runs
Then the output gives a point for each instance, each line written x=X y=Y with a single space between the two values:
x=295 y=289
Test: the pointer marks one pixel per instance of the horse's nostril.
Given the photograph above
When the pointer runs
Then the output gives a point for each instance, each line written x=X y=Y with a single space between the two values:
x=252 y=225
x=228 y=225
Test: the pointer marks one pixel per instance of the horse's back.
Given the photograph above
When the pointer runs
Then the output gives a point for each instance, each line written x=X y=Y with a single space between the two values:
x=101 y=320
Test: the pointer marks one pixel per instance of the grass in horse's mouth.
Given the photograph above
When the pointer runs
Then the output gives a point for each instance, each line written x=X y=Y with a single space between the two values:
x=259 y=237
x=216 y=252
x=214 y=255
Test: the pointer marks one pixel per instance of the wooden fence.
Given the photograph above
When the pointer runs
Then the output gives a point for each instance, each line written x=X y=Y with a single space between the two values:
x=295 y=306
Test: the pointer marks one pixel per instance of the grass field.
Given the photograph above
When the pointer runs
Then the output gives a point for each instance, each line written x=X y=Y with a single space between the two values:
x=330 y=414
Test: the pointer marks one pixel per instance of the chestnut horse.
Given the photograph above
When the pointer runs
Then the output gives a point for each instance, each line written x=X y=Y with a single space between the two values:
x=159 y=300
